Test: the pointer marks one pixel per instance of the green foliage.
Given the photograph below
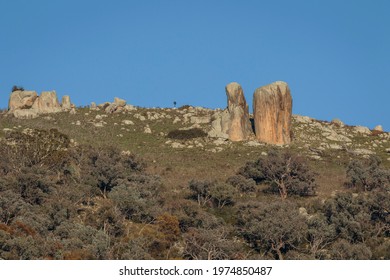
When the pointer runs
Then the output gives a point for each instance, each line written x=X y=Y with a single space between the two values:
x=276 y=228
x=32 y=147
x=15 y=88
x=242 y=184
x=212 y=193
x=368 y=175
x=138 y=198
x=186 y=134
x=286 y=174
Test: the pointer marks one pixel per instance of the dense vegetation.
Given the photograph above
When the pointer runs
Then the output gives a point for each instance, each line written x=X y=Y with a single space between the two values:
x=61 y=200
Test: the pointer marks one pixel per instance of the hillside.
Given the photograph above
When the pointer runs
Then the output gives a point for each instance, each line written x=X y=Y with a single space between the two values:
x=327 y=147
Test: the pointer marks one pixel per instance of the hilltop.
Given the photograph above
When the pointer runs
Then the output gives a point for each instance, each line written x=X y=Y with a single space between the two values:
x=117 y=181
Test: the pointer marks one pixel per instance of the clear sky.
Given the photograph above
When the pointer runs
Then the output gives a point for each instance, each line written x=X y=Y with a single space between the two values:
x=334 y=54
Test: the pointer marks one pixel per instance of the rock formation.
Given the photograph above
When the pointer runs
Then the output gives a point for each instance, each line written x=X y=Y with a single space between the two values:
x=272 y=109
x=65 y=104
x=28 y=105
x=233 y=123
x=21 y=100
x=240 y=127
x=47 y=102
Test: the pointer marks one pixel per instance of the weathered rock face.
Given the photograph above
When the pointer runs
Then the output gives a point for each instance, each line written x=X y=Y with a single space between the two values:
x=25 y=113
x=47 y=102
x=119 y=102
x=232 y=123
x=272 y=109
x=21 y=100
x=65 y=104
x=240 y=127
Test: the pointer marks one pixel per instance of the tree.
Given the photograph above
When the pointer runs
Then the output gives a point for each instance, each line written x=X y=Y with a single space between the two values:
x=213 y=193
x=285 y=173
x=277 y=227
x=368 y=175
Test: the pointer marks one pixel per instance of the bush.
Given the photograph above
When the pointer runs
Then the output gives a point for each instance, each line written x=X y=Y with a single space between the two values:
x=186 y=134
x=242 y=184
x=286 y=174
x=15 y=88
x=276 y=228
x=367 y=175
x=212 y=193
x=184 y=107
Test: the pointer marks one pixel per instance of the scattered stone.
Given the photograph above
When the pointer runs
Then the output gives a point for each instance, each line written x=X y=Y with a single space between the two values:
x=264 y=154
x=72 y=111
x=176 y=120
x=362 y=152
x=379 y=128
x=362 y=130
x=98 y=124
x=272 y=109
x=78 y=123
x=253 y=144
x=119 y=102
x=93 y=106
x=128 y=122
x=176 y=145
x=147 y=129
x=200 y=120
x=387 y=150
x=337 y=122
x=302 y=119
x=142 y=118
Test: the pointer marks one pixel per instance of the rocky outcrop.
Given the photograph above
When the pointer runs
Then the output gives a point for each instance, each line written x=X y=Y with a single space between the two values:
x=233 y=123
x=378 y=128
x=65 y=104
x=21 y=100
x=47 y=102
x=272 y=109
x=27 y=104
x=240 y=127
x=118 y=106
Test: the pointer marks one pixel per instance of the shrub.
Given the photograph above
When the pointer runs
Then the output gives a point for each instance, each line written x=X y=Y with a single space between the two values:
x=242 y=184
x=212 y=193
x=367 y=175
x=186 y=134
x=285 y=173
x=184 y=107
x=15 y=88
x=277 y=227
x=32 y=147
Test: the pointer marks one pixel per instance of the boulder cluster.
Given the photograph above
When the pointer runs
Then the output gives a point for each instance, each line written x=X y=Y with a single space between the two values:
x=272 y=111
x=25 y=104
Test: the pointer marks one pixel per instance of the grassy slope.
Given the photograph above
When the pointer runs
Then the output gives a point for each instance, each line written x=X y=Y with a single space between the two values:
x=177 y=166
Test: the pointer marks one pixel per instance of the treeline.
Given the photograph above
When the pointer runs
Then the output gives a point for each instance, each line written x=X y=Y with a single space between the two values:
x=60 y=200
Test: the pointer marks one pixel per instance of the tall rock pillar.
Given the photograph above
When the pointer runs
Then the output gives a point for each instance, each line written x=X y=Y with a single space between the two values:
x=272 y=109
x=239 y=127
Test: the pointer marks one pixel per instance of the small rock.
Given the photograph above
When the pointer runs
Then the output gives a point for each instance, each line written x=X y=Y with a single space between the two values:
x=264 y=154
x=253 y=144
x=128 y=122
x=362 y=130
x=147 y=129
x=176 y=145
x=379 y=128
x=337 y=122
x=78 y=123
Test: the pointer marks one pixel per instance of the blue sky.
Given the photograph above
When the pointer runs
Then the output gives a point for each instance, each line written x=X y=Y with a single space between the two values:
x=335 y=55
